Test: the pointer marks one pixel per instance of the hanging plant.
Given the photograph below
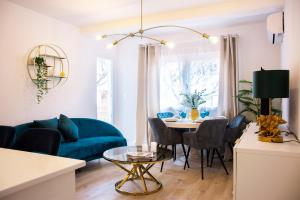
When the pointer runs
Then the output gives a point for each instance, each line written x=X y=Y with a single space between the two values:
x=41 y=78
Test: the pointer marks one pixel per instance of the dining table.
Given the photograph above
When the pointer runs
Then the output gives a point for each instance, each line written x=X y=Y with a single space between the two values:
x=183 y=123
x=186 y=123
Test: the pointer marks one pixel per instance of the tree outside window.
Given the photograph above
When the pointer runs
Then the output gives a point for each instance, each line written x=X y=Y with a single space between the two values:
x=185 y=75
x=104 y=90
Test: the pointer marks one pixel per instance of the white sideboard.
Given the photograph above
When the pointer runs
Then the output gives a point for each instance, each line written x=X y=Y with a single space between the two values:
x=32 y=176
x=266 y=171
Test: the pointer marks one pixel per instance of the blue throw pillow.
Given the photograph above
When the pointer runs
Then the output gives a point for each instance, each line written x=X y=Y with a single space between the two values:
x=48 y=123
x=68 y=128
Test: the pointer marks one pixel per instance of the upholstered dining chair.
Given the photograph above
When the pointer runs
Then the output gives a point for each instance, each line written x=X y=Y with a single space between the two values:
x=39 y=140
x=234 y=130
x=165 y=136
x=7 y=135
x=209 y=135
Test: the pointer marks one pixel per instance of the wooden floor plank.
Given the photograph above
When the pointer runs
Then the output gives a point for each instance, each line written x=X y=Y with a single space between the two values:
x=96 y=181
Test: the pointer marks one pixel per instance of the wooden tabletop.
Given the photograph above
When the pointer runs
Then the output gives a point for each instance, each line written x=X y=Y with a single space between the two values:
x=184 y=124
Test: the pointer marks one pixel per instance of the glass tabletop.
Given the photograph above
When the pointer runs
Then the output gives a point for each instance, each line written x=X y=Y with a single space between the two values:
x=120 y=155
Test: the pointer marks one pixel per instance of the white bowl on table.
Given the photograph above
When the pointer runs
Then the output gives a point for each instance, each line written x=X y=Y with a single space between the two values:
x=171 y=119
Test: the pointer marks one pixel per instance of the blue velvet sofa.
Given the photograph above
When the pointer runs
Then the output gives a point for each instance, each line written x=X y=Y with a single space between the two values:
x=95 y=137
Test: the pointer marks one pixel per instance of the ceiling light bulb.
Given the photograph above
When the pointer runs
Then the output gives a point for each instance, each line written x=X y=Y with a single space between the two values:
x=171 y=45
x=100 y=37
x=214 y=39
x=110 y=45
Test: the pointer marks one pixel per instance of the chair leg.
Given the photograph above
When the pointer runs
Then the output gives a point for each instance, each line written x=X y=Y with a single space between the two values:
x=174 y=151
x=230 y=147
x=221 y=159
x=162 y=164
x=202 y=164
x=212 y=157
x=187 y=157
x=207 y=156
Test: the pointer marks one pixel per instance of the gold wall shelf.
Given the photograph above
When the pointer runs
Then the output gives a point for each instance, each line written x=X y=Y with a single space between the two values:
x=56 y=61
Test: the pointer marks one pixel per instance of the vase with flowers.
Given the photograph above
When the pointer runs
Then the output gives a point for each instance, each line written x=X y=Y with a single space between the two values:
x=193 y=101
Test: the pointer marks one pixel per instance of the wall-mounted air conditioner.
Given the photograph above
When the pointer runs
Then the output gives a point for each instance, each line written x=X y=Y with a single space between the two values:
x=275 y=27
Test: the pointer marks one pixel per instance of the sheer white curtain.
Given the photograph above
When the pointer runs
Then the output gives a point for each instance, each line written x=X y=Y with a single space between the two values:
x=228 y=89
x=148 y=91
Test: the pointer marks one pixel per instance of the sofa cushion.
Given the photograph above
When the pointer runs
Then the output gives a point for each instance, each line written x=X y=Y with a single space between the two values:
x=90 y=147
x=68 y=128
x=48 y=123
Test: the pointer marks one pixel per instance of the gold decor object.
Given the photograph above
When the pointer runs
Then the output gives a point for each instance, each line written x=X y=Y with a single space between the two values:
x=268 y=128
x=194 y=114
x=141 y=33
x=62 y=74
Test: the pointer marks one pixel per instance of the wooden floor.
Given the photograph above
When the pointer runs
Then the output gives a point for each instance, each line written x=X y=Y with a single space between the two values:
x=96 y=181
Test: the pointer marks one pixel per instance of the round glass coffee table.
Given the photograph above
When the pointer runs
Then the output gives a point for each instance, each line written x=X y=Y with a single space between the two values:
x=139 y=167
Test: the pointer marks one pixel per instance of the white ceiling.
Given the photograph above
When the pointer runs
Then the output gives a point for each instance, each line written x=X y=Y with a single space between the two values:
x=85 y=12
x=103 y=16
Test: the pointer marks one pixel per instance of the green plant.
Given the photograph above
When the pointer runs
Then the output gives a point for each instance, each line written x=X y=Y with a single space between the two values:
x=193 y=100
x=41 y=78
x=250 y=104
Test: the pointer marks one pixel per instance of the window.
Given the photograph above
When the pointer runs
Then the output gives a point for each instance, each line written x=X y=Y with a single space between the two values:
x=183 y=73
x=104 y=90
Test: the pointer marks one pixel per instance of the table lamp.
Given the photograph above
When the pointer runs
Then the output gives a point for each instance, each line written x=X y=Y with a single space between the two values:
x=269 y=84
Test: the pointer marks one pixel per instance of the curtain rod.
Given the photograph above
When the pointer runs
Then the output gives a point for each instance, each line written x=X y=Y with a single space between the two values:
x=233 y=35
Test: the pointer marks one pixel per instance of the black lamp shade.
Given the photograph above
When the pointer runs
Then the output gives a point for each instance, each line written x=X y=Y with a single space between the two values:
x=271 y=84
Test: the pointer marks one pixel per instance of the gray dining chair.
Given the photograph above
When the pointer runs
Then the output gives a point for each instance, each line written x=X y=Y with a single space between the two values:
x=39 y=140
x=208 y=136
x=7 y=135
x=165 y=136
x=234 y=130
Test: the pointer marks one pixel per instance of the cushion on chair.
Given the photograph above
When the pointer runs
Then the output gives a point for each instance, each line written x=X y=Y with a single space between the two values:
x=48 y=123
x=88 y=147
x=68 y=128
x=163 y=115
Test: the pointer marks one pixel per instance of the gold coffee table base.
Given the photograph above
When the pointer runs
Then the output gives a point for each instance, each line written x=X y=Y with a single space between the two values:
x=138 y=172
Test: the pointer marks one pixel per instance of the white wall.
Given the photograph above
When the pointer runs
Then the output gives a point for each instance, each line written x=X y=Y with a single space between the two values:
x=254 y=48
x=255 y=51
x=291 y=61
x=125 y=94
x=22 y=29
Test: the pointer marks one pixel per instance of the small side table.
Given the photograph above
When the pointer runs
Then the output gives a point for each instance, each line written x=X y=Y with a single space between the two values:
x=139 y=169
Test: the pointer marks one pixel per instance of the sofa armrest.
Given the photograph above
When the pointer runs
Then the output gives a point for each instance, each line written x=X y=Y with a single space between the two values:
x=94 y=128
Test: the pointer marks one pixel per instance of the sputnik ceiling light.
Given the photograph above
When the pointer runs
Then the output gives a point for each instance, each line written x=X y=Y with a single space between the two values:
x=141 y=34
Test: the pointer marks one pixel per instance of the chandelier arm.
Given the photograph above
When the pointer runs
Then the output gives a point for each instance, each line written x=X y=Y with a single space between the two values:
x=128 y=35
x=175 y=26
x=115 y=34
x=150 y=38
x=123 y=38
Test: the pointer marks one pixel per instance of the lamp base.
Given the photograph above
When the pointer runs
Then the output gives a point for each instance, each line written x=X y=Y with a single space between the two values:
x=277 y=139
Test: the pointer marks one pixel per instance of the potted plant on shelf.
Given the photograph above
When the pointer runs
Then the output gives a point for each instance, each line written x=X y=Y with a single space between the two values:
x=41 y=78
x=193 y=101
